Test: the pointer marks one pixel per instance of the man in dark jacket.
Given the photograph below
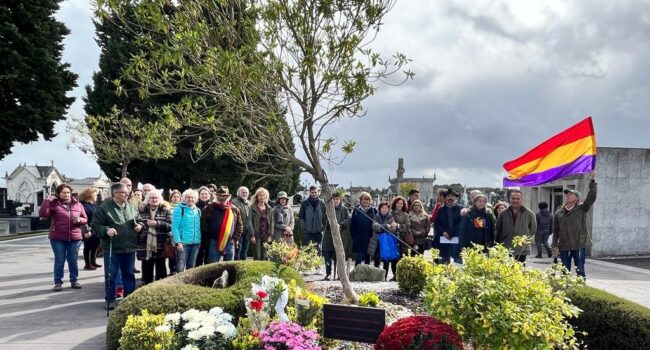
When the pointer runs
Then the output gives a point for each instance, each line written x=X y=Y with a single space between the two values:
x=343 y=219
x=241 y=202
x=516 y=221
x=115 y=222
x=544 y=227
x=447 y=226
x=311 y=216
x=570 y=232
x=221 y=225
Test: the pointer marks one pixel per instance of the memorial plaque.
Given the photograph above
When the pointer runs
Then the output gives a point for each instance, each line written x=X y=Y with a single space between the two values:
x=354 y=323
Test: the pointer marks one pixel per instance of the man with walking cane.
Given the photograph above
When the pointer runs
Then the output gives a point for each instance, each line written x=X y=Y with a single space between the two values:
x=116 y=222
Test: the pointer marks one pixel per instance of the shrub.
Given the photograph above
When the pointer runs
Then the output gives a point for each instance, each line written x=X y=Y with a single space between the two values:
x=289 y=336
x=495 y=303
x=412 y=273
x=369 y=299
x=419 y=332
x=609 y=321
x=191 y=289
x=139 y=333
x=301 y=259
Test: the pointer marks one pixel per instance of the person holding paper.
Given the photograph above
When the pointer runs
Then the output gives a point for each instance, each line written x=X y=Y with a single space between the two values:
x=447 y=226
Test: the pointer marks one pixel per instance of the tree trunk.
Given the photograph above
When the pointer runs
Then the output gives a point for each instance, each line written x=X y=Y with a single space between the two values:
x=125 y=167
x=338 y=243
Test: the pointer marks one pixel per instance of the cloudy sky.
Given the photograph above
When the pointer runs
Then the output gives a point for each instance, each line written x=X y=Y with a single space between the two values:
x=493 y=79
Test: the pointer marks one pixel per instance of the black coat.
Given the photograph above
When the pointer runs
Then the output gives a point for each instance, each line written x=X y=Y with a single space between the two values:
x=478 y=227
x=442 y=224
x=361 y=228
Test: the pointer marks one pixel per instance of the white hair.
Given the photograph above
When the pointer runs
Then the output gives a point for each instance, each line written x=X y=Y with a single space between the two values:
x=189 y=192
x=151 y=193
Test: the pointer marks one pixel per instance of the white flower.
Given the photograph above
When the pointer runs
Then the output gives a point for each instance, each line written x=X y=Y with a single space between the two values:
x=173 y=319
x=190 y=314
x=190 y=347
x=164 y=328
x=192 y=325
x=195 y=335
x=207 y=331
x=216 y=311
x=228 y=330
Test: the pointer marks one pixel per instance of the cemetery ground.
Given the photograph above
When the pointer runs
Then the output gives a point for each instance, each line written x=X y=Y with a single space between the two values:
x=32 y=316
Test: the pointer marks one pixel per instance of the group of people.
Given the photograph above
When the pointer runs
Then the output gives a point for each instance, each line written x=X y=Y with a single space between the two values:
x=208 y=225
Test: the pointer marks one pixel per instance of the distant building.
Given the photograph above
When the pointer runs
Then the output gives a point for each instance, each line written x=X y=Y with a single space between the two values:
x=620 y=219
x=101 y=183
x=422 y=184
x=355 y=192
x=31 y=184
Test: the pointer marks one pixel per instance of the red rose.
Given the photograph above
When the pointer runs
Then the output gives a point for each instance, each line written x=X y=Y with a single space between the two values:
x=256 y=305
x=262 y=294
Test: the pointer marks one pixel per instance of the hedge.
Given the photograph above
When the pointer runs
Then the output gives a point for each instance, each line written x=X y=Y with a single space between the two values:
x=192 y=289
x=610 y=322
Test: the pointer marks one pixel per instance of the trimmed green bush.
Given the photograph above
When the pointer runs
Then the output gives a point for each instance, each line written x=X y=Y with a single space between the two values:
x=192 y=290
x=412 y=273
x=610 y=322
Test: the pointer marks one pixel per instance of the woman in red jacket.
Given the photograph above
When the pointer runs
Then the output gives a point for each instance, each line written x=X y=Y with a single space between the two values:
x=67 y=216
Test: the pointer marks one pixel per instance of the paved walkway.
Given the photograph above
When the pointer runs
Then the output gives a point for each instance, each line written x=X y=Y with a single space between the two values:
x=34 y=317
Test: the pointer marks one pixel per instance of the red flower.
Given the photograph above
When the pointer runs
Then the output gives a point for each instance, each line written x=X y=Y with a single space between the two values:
x=256 y=305
x=403 y=333
x=262 y=294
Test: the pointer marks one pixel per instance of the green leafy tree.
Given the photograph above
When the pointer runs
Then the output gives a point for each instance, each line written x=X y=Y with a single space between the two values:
x=33 y=80
x=193 y=147
x=307 y=61
x=122 y=138
x=406 y=187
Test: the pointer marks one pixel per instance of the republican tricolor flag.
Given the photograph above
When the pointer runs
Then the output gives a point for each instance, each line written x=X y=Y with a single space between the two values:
x=571 y=152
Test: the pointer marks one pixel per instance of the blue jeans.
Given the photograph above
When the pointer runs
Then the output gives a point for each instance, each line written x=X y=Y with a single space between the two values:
x=583 y=258
x=566 y=257
x=243 y=247
x=313 y=237
x=214 y=255
x=65 y=251
x=120 y=264
x=186 y=258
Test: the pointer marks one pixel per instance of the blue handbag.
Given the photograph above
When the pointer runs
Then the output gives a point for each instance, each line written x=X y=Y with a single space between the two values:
x=388 y=247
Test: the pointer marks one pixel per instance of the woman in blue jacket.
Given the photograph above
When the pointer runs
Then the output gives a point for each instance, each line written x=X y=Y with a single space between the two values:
x=186 y=230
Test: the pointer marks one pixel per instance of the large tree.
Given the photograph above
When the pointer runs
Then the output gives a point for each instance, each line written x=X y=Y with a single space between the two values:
x=310 y=63
x=194 y=162
x=33 y=80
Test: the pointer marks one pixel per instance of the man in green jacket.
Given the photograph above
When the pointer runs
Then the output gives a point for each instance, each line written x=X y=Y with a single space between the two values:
x=515 y=221
x=115 y=222
x=570 y=232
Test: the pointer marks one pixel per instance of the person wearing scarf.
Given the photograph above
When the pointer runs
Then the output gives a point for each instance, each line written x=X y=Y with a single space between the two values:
x=479 y=225
x=222 y=226
x=151 y=240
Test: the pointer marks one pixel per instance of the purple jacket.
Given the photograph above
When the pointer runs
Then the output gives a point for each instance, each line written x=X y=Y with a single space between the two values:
x=62 y=228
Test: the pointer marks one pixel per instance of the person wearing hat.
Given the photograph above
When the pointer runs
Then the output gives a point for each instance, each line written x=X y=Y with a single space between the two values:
x=515 y=221
x=343 y=219
x=221 y=226
x=570 y=232
x=447 y=225
x=283 y=221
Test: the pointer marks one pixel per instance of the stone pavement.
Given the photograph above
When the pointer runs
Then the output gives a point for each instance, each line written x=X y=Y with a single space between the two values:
x=34 y=317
